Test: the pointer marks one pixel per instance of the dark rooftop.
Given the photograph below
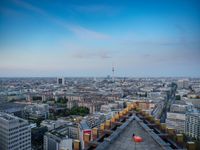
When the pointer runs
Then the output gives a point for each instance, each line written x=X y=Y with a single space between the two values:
x=124 y=140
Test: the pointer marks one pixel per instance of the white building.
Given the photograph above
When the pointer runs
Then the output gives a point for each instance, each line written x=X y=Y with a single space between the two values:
x=183 y=84
x=61 y=138
x=192 y=125
x=56 y=141
x=105 y=108
x=37 y=111
x=50 y=124
x=15 y=133
x=176 y=121
x=179 y=108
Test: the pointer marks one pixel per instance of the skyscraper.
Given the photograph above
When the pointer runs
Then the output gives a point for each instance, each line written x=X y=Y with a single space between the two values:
x=60 y=81
x=192 y=125
x=15 y=133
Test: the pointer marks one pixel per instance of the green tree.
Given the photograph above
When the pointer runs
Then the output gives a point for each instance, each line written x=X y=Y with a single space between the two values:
x=82 y=111
x=178 y=97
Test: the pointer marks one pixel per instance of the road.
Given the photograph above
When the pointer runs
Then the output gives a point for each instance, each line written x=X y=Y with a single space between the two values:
x=169 y=101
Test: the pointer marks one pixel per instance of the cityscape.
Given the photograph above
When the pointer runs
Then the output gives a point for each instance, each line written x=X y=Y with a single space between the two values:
x=99 y=75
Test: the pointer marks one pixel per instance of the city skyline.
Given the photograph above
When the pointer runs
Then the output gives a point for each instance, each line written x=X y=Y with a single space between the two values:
x=86 y=38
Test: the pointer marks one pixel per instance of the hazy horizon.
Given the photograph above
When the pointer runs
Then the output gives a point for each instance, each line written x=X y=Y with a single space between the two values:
x=181 y=77
x=140 y=38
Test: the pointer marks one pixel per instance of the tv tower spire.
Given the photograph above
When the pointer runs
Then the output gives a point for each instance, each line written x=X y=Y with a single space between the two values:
x=113 y=73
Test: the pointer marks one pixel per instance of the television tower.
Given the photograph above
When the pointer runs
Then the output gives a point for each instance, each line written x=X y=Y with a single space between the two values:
x=113 y=80
x=113 y=74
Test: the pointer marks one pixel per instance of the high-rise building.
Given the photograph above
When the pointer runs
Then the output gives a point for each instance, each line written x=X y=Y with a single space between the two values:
x=60 y=81
x=192 y=125
x=183 y=84
x=15 y=133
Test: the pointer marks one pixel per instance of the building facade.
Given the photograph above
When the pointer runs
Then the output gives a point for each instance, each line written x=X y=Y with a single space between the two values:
x=56 y=141
x=15 y=133
x=60 y=81
x=176 y=121
x=36 y=111
x=192 y=125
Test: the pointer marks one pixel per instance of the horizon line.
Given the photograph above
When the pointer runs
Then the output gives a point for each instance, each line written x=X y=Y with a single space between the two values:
x=100 y=76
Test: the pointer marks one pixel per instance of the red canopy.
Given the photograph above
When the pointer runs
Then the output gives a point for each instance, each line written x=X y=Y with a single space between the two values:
x=137 y=139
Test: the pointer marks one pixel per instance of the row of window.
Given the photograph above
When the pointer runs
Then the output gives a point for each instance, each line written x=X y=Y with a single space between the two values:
x=22 y=147
x=18 y=133
x=19 y=137
x=20 y=142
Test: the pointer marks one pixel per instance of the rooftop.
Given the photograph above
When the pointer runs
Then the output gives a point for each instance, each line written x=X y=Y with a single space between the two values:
x=124 y=140
x=9 y=117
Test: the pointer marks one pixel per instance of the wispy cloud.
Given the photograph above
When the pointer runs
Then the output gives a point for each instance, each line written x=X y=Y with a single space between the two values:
x=78 y=30
x=83 y=52
x=92 y=55
x=86 y=33
x=182 y=40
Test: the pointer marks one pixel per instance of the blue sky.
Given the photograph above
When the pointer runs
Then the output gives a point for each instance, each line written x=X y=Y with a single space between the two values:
x=87 y=38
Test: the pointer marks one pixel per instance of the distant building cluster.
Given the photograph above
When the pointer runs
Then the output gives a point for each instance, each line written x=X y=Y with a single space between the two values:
x=45 y=109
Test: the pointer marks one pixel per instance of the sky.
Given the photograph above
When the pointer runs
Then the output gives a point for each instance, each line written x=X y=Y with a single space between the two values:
x=139 y=38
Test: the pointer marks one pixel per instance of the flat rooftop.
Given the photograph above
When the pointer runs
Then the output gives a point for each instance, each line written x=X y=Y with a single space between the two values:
x=124 y=140
x=9 y=117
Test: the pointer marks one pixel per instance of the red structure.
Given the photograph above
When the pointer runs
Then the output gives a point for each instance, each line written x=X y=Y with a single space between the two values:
x=137 y=139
